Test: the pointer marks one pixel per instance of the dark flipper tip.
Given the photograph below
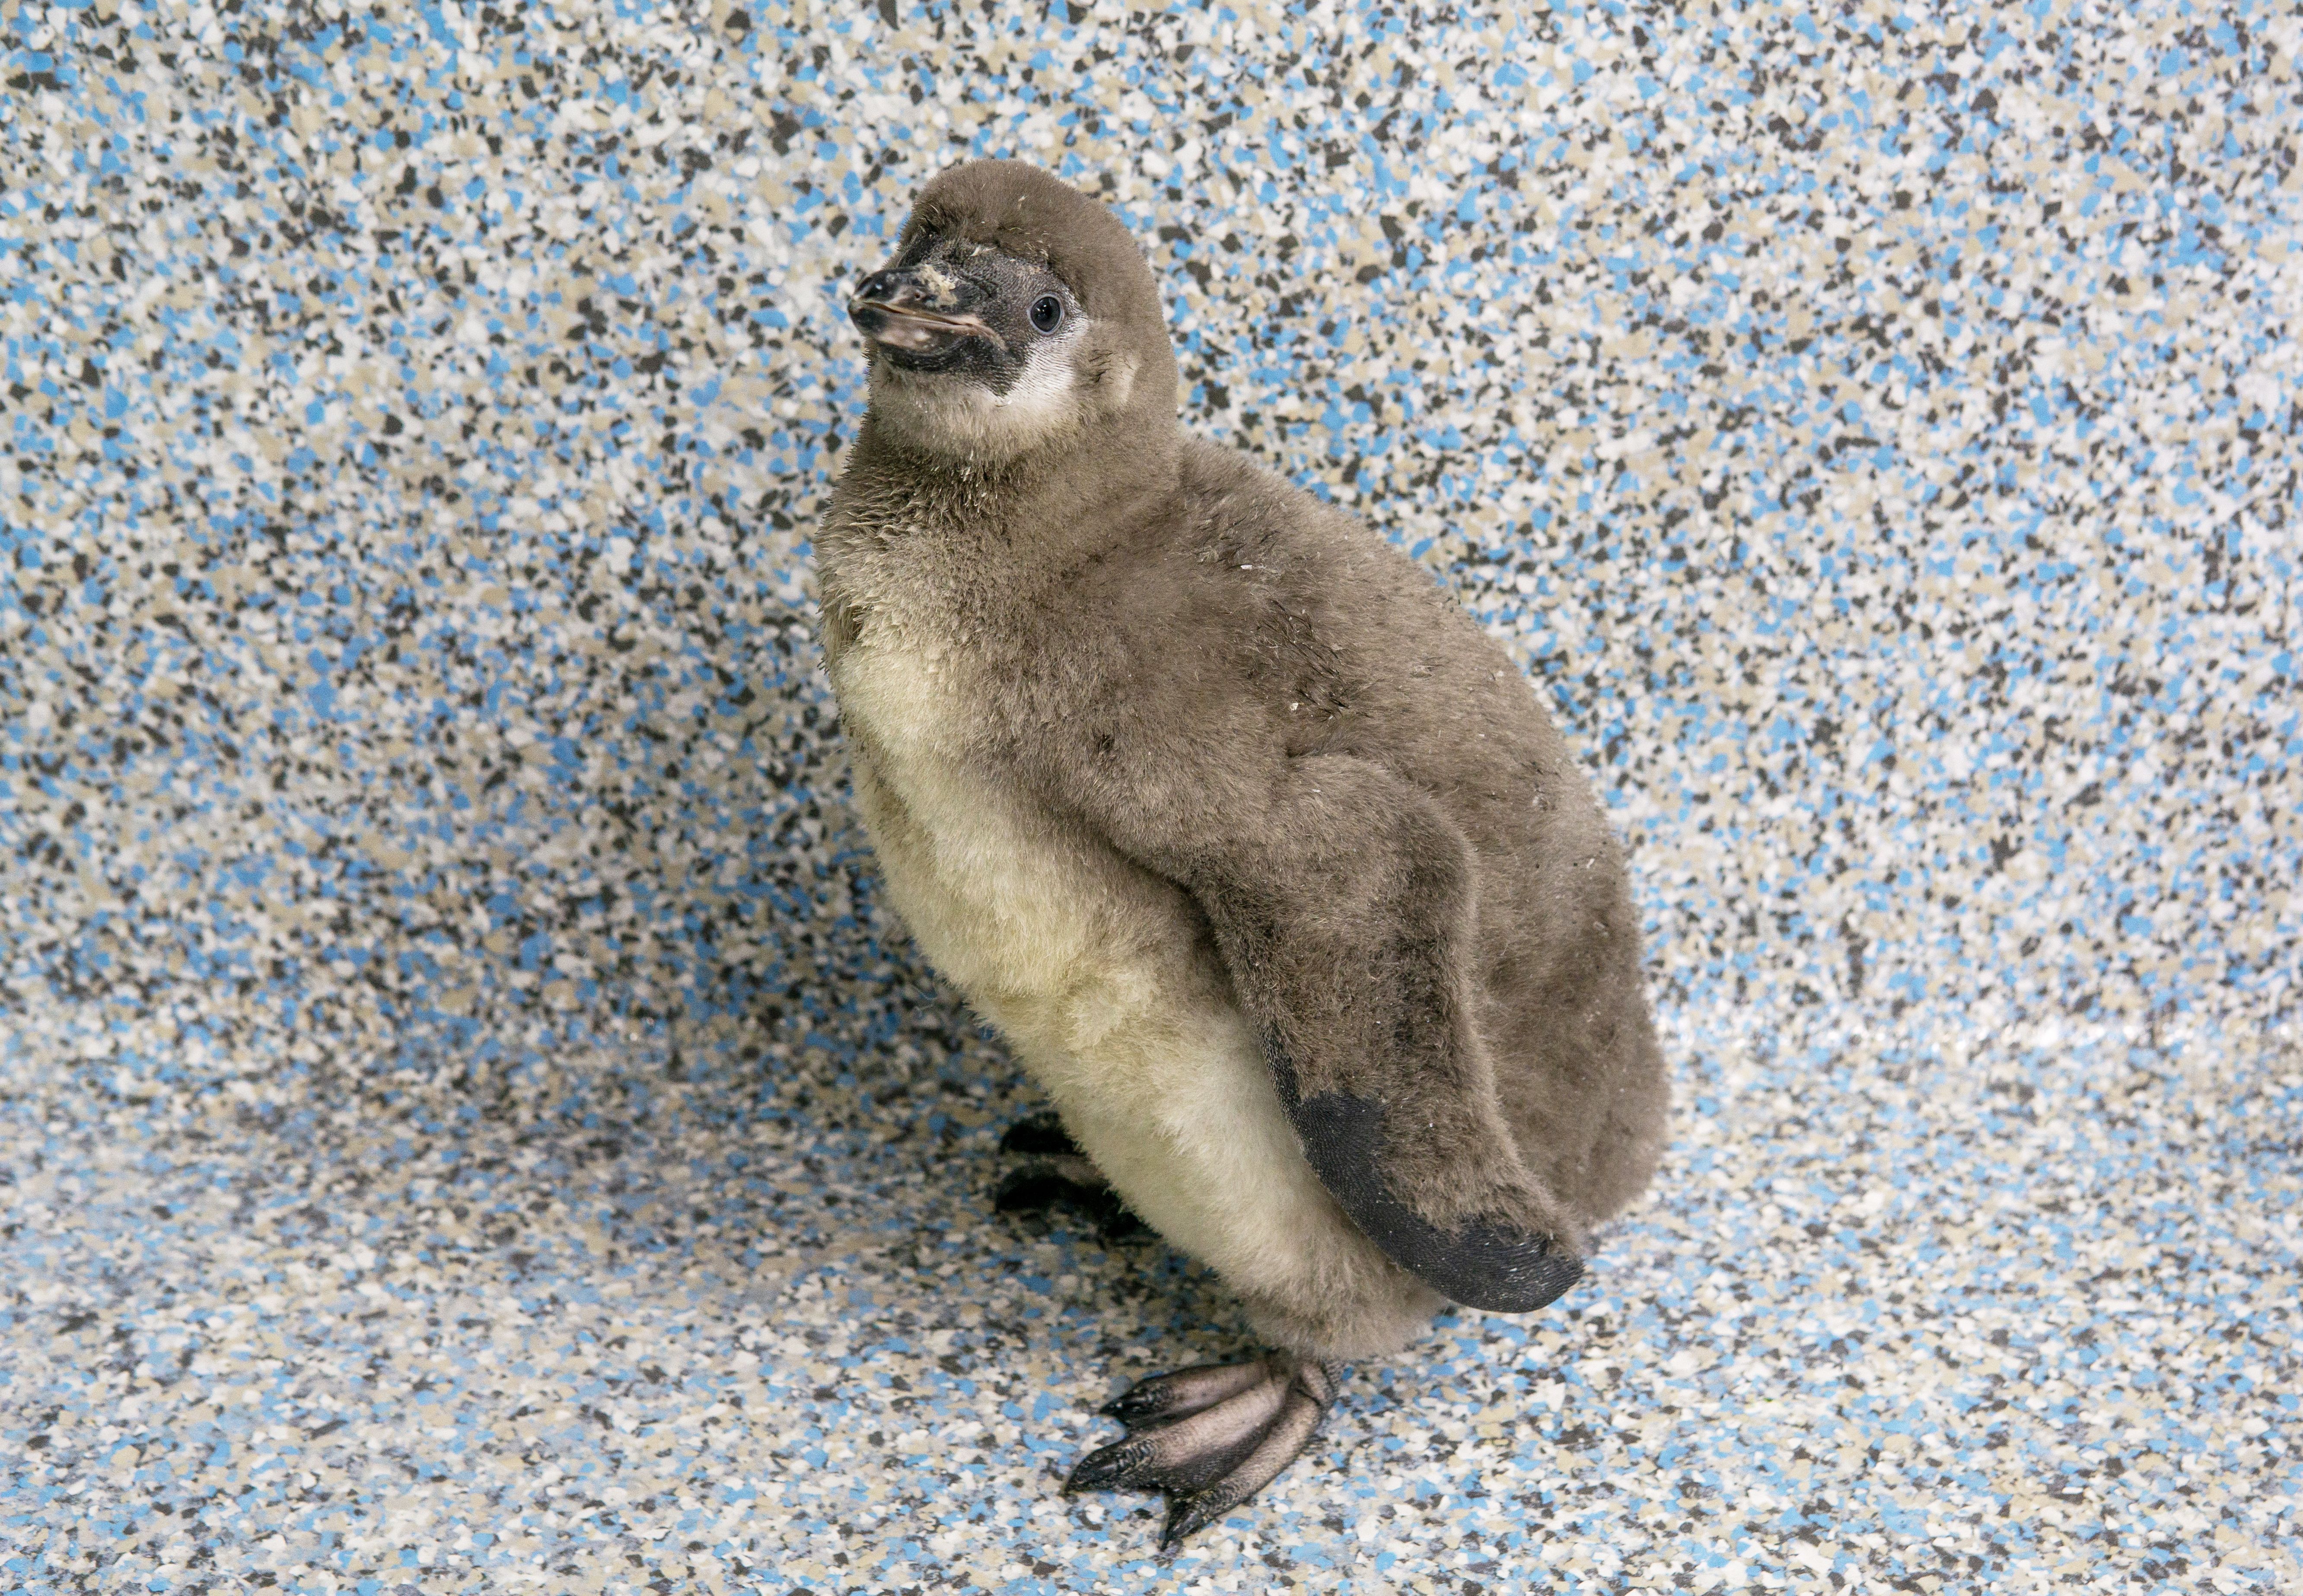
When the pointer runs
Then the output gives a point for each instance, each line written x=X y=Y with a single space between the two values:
x=1498 y=1263
x=1507 y=1271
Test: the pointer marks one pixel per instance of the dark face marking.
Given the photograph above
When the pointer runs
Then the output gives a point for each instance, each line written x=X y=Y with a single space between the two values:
x=949 y=306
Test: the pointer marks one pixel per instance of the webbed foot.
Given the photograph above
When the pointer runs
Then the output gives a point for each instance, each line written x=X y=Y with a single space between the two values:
x=1210 y=1437
x=1053 y=1173
x=1042 y=1134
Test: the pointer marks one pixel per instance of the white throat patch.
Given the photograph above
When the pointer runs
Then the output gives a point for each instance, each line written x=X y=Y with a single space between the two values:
x=954 y=414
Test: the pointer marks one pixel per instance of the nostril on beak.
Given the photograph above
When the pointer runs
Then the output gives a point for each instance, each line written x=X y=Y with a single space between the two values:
x=919 y=311
x=876 y=295
x=879 y=288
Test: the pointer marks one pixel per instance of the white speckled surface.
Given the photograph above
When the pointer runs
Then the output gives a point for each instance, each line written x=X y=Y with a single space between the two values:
x=466 y=1124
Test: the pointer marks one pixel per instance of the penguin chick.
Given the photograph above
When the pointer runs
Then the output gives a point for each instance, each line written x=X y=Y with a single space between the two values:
x=1262 y=857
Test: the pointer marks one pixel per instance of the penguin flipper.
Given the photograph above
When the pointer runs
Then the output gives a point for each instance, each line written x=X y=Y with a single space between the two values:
x=1506 y=1262
x=1342 y=903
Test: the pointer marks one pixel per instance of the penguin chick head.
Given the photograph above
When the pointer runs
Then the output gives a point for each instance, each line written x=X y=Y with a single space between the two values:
x=1018 y=316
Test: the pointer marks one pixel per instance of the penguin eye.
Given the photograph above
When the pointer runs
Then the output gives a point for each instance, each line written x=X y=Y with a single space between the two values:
x=1046 y=312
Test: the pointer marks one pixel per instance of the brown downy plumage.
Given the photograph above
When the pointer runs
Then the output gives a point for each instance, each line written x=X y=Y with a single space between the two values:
x=1261 y=854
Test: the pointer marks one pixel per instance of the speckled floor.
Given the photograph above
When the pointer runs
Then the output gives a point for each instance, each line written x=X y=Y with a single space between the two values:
x=468 y=1124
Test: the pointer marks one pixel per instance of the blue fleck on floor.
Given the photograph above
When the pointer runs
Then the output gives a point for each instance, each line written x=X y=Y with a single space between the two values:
x=469 y=1122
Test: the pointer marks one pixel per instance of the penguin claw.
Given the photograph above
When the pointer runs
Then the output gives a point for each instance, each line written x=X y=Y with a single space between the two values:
x=1210 y=1437
x=1183 y=1392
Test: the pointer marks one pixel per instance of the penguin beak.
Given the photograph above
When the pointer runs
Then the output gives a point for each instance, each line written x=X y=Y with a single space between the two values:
x=922 y=311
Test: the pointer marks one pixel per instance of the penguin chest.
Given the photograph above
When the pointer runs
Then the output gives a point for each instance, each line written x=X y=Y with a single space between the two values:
x=1054 y=937
x=1098 y=973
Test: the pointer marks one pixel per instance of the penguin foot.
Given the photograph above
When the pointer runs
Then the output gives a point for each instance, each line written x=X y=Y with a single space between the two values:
x=1054 y=1173
x=1210 y=1437
x=1042 y=1134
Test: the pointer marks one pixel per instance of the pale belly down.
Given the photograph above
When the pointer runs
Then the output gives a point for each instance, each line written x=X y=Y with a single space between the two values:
x=1095 y=973
x=1101 y=977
